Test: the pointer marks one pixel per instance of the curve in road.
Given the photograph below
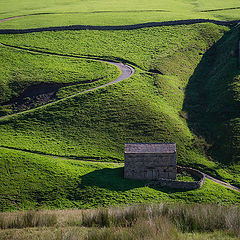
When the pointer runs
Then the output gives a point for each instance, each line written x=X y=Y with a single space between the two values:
x=126 y=72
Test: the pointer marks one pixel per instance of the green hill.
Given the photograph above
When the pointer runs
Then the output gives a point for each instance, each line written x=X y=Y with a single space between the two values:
x=20 y=70
x=213 y=98
x=66 y=154
x=30 y=181
x=94 y=126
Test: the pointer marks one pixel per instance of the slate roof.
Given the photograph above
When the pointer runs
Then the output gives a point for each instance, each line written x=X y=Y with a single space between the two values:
x=150 y=147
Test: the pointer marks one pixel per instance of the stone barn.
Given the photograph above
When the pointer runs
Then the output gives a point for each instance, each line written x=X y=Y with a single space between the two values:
x=150 y=161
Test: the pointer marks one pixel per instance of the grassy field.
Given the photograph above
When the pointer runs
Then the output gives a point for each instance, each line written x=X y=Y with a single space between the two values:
x=15 y=76
x=112 y=12
x=33 y=181
x=94 y=126
x=69 y=153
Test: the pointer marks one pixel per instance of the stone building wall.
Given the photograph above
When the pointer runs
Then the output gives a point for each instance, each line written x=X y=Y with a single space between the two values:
x=150 y=166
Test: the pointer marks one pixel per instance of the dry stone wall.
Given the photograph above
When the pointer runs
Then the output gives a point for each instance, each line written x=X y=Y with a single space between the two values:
x=182 y=184
x=121 y=27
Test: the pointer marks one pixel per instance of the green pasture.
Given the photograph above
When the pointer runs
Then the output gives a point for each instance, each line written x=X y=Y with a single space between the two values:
x=185 y=90
x=145 y=108
x=215 y=4
x=21 y=69
x=142 y=48
x=62 y=13
x=103 y=118
x=113 y=45
x=33 y=181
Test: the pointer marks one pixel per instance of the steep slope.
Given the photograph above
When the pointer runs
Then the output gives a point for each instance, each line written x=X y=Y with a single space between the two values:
x=213 y=99
x=143 y=108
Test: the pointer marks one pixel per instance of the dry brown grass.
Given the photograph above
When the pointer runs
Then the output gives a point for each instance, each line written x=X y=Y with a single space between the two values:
x=50 y=233
x=160 y=221
x=27 y=219
x=199 y=218
x=142 y=229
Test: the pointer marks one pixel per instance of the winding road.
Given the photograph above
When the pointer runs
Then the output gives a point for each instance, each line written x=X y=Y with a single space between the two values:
x=224 y=184
x=126 y=70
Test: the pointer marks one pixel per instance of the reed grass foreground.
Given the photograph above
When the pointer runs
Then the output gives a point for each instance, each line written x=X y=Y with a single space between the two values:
x=162 y=221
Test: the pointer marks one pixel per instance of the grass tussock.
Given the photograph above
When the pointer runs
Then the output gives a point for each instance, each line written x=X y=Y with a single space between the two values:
x=156 y=228
x=27 y=219
x=162 y=221
x=207 y=218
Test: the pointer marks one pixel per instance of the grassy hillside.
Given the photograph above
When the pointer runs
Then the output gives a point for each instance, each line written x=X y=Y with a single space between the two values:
x=18 y=73
x=165 y=51
x=138 y=109
x=73 y=12
x=176 y=95
x=212 y=99
x=35 y=181
x=22 y=70
x=95 y=125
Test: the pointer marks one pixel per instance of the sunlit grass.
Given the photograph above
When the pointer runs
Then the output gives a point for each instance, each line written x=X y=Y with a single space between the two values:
x=110 y=12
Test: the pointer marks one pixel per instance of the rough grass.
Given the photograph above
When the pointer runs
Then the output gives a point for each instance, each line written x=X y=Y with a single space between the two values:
x=194 y=218
x=162 y=221
x=27 y=219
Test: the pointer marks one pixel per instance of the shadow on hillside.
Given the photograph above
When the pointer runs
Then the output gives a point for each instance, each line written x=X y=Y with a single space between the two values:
x=208 y=102
x=113 y=179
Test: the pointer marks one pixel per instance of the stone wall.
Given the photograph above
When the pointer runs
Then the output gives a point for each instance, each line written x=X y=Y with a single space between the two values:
x=150 y=166
x=181 y=184
x=121 y=27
